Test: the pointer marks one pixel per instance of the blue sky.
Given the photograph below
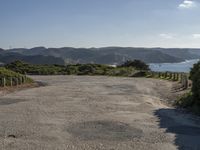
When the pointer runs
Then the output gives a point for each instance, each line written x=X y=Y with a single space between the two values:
x=99 y=23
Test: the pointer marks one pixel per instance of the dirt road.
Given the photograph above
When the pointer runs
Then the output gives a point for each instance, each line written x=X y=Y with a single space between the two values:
x=95 y=113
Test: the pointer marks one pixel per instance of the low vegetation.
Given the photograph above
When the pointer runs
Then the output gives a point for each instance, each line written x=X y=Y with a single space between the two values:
x=133 y=68
x=191 y=100
x=8 y=77
x=8 y=73
x=137 y=64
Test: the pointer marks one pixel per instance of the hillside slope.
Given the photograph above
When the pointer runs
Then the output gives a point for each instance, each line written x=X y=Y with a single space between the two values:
x=105 y=55
x=6 y=57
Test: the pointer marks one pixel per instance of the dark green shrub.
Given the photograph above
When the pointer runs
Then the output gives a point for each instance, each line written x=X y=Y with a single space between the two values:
x=78 y=69
x=185 y=101
x=140 y=74
x=86 y=69
x=8 y=75
x=195 y=77
x=138 y=64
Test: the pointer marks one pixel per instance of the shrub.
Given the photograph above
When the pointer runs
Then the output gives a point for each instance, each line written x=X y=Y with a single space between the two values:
x=195 y=77
x=78 y=69
x=138 y=64
x=8 y=74
x=140 y=74
x=86 y=69
x=192 y=99
x=185 y=101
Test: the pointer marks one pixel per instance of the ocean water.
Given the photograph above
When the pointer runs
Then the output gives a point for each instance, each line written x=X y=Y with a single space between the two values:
x=173 y=67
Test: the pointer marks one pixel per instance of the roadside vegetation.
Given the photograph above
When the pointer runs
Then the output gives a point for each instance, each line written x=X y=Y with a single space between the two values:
x=129 y=68
x=11 y=78
x=191 y=100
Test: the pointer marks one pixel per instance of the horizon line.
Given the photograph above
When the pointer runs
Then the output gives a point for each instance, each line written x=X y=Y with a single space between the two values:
x=101 y=47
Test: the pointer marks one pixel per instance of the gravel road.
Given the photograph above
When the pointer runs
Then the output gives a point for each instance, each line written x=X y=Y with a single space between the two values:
x=95 y=113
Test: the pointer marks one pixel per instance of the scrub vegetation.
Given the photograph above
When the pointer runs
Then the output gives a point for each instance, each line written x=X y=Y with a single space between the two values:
x=11 y=78
x=191 y=100
x=129 y=68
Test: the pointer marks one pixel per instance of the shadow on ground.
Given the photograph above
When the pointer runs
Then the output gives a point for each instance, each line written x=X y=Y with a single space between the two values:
x=8 y=101
x=187 y=133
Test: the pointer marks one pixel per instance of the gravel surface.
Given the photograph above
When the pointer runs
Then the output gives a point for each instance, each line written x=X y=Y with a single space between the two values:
x=95 y=113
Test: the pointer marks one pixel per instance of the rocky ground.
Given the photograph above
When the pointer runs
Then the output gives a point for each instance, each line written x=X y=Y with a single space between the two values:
x=96 y=113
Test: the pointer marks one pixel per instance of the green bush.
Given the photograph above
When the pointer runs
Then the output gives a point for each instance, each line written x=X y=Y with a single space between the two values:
x=140 y=74
x=185 y=101
x=8 y=74
x=192 y=100
x=77 y=69
x=138 y=64
x=195 y=77
x=188 y=101
x=24 y=68
x=86 y=69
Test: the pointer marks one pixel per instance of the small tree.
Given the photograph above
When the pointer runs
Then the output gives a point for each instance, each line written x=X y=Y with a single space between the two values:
x=138 y=64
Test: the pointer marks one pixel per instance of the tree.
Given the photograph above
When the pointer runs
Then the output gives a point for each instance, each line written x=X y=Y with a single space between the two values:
x=138 y=64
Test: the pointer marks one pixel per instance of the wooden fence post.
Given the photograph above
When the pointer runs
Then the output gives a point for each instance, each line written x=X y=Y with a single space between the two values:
x=170 y=75
x=11 y=84
x=23 y=80
x=165 y=75
x=20 y=80
x=186 y=82
x=181 y=80
x=178 y=76
x=4 y=81
x=1 y=81
x=17 y=81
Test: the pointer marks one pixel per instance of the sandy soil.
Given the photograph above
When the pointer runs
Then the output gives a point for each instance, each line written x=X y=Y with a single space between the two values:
x=95 y=113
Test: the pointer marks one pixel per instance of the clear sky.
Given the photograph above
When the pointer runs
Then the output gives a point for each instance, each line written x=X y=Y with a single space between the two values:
x=99 y=23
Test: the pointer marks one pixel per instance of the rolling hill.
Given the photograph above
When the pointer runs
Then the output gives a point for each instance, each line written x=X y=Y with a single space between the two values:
x=105 y=55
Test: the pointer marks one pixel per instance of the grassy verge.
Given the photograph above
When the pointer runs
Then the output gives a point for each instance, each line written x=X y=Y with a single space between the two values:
x=7 y=77
x=187 y=101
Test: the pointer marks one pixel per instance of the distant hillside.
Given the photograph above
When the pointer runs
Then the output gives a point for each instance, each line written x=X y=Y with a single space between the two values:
x=1 y=50
x=105 y=55
x=182 y=53
x=37 y=59
x=195 y=51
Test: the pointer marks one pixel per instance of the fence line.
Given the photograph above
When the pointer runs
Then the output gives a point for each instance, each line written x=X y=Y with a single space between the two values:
x=12 y=81
x=182 y=78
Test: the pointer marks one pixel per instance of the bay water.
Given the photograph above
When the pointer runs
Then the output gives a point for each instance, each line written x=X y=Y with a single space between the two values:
x=173 y=67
